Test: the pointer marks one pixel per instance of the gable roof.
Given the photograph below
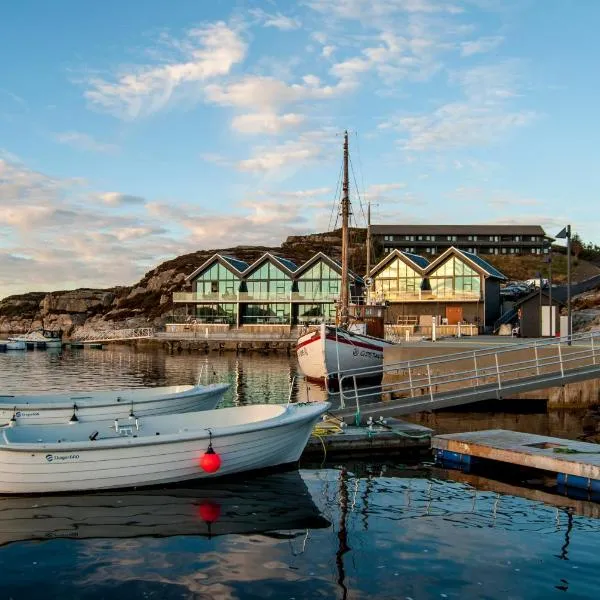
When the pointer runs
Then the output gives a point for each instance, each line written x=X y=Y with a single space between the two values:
x=332 y=262
x=484 y=264
x=236 y=263
x=226 y=261
x=287 y=266
x=420 y=263
x=292 y=266
x=480 y=265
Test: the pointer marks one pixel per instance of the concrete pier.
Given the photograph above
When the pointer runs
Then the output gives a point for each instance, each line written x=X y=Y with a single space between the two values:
x=576 y=464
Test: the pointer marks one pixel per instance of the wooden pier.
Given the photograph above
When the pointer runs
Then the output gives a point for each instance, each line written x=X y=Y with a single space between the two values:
x=576 y=464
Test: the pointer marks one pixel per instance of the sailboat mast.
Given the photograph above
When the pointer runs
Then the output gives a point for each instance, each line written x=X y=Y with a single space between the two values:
x=368 y=238
x=344 y=300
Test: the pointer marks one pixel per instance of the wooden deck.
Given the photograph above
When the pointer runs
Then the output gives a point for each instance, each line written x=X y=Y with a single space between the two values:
x=576 y=464
x=396 y=436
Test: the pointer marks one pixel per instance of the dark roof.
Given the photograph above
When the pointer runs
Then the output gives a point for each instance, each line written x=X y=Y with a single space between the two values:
x=236 y=263
x=417 y=259
x=351 y=273
x=558 y=296
x=458 y=229
x=484 y=264
x=288 y=263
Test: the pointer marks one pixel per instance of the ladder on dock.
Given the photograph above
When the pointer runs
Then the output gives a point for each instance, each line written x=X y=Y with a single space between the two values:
x=472 y=376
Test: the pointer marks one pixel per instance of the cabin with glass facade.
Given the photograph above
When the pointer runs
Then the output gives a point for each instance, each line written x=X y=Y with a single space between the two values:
x=457 y=287
x=271 y=291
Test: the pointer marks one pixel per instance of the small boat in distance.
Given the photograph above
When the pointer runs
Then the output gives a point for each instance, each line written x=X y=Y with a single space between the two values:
x=101 y=405
x=356 y=341
x=154 y=450
x=49 y=338
x=12 y=344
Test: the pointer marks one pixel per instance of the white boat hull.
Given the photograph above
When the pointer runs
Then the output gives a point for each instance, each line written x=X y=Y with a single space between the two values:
x=104 y=405
x=16 y=345
x=329 y=350
x=158 y=455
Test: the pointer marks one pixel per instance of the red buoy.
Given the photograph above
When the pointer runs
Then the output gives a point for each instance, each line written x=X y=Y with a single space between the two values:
x=209 y=511
x=210 y=461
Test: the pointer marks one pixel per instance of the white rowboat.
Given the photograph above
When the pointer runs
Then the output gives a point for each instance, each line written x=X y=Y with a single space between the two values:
x=154 y=450
x=102 y=405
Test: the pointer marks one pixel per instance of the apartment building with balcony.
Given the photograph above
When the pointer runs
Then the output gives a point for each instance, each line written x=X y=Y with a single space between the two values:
x=476 y=239
x=458 y=287
x=273 y=290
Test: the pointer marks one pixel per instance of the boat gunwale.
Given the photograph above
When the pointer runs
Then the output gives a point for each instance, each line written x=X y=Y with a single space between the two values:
x=7 y=402
x=117 y=442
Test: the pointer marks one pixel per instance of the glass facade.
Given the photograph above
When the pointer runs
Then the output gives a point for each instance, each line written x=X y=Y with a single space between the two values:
x=217 y=313
x=217 y=282
x=268 y=283
x=455 y=279
x=267 y=314
x=398 y=281
x=320 y=282
x=309 y=314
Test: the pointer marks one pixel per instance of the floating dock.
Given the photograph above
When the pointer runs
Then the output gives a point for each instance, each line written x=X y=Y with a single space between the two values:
x=576 y=464
x=390 y=435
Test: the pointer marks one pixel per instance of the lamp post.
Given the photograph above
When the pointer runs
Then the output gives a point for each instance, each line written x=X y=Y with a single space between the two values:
x=541 y=320
x=565 y=233
x=552 y=325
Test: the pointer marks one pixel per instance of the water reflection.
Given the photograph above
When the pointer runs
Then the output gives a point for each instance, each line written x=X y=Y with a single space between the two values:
x=390 y=532
x=268 y=503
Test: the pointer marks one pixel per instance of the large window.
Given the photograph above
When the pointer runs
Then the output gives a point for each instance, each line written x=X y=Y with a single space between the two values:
x=398 y=281
x=269 y=283
x=455 y=279
x=217 y=313
x=217 y=281
x=310 y=314
x=320 y=282
x=267 y=314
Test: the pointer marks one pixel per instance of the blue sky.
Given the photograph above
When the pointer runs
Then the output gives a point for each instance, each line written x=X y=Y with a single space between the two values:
x=132 y=132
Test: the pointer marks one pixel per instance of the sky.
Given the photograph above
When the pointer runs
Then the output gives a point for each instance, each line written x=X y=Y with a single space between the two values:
x=133 y=132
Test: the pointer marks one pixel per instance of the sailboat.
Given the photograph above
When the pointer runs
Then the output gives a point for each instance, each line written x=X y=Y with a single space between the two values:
x=355 y=343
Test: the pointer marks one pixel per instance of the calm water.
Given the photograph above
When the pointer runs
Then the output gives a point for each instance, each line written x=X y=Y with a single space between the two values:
x=339 y=531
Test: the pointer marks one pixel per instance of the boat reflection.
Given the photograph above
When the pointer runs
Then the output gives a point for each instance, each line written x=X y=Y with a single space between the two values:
x=269 y=503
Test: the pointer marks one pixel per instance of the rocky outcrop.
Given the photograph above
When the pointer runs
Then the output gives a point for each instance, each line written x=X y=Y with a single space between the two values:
x=77 y=301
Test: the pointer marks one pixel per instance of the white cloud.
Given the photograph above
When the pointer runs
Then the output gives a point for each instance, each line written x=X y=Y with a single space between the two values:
x=204 y=53
x=118 y=199
x=482 y=45
x=377 y=189
x=295 y=153
x=262 y=92
x=327 y=51
x=84 y=141
x=483 y=117
x=57 y=235
x=277 y=20
x=269 y=123
x=368 y=9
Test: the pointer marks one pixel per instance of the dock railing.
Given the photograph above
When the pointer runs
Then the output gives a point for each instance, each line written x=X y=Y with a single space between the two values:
x=476 y=374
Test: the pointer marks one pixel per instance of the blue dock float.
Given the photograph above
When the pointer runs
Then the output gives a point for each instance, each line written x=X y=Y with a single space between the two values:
x=576 y=464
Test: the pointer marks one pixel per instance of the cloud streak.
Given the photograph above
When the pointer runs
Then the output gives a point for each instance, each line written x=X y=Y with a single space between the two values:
x=203 y=54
